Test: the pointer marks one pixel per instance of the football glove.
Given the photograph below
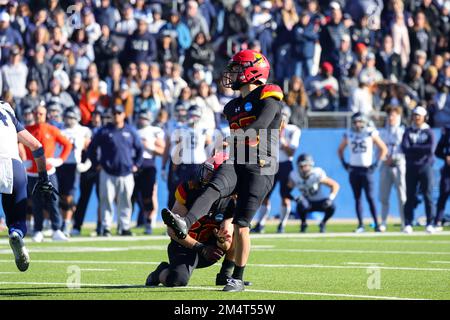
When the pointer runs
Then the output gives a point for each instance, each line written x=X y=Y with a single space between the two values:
x=327 y=203
x=210 y=253
x=45 y=189
x=345 y=165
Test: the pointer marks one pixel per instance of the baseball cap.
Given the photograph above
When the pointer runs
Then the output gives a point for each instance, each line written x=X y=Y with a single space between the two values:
x=4 y=16
x=370 y=56
x=328 y=67
x=421 y=111
x=360 y=47
x=118 y=108
x=266 y=5
x=335 y=5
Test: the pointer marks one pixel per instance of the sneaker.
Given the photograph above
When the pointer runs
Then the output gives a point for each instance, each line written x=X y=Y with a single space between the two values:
x=19 y=250
x=408 y=229
x=360 y=229
x=58 y=235
x=126 y=233
x=234 y=285
x=48 y=233
x=153 y=277
x=303 y=228
x=438 y=228
x=75 y=232
x=148 y=229
x=177 y=223
x=430 y=229
x=38 y=236
x=382 y=227
x=258 y=229
x=222 y=280
x=280 y=228
x=322 y=227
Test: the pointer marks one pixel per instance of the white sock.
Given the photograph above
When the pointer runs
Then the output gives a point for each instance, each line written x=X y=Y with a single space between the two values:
x=264 y=212
x=284 y=215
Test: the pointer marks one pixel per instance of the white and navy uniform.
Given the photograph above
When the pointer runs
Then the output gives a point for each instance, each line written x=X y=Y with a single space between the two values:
x=145 y=178
x=13 y=178
x=361 y=176
x=313 y=193
x=191 y=153
x=393 y=174
x=291 y=133
x=67 y=173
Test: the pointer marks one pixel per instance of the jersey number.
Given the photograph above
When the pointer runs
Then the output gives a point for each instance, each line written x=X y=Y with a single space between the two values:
x=359 y=147
x=3 y=119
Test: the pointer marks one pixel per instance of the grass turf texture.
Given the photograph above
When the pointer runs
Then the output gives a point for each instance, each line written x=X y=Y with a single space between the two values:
x=290 y=266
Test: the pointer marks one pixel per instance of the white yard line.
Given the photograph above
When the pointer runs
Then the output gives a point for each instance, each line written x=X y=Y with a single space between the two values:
x=96 y=269
x=326 y=294
x=415 y=241
x=439 y=262
x=365 y=263
x=306 y=266
x=357 y=251
x=255 y=236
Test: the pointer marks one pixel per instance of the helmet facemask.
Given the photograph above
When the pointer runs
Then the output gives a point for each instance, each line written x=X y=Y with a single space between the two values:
x=206 y=173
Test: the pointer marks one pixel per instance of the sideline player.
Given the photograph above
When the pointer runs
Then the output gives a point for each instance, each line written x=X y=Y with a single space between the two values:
x=208 y=238
x=360 y=140
x=254 y=119
x=289 y=141
x=13 y=180
x=310 y=181
x=68 y=172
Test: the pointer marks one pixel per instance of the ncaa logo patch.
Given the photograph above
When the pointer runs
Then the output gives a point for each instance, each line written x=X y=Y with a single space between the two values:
x=219 y=217
x=248 y=106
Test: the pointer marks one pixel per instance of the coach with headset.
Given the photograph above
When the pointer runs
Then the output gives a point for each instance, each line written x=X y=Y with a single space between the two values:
x=418 y=145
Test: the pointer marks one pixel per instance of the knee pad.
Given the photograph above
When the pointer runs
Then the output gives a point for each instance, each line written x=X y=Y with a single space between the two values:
x=176 y=279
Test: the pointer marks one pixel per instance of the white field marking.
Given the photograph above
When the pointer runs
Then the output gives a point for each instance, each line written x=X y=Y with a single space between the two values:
x=87 y=249
x=257 y=236
x=438 y=261
x=372 y=241
x=365 y=263
x=343 y=267
x=357 y=251
x=343 y=295
x=96 y=269
x=306 y=266
x=5 y=272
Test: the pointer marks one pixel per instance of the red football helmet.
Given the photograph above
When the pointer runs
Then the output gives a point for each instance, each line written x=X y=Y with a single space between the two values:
x=246 y=66
x=212 y=164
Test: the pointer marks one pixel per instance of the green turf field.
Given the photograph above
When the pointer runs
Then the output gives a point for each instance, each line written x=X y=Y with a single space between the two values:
x=337 y=265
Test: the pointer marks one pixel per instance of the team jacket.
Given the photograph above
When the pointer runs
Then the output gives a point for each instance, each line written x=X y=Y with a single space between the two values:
x=202 y=230
x=261 y=109
x=48 y=136
x=417 y=144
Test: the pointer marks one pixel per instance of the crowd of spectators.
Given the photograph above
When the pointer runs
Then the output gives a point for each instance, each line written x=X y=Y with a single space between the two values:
x=328 y=55
x=154 y=55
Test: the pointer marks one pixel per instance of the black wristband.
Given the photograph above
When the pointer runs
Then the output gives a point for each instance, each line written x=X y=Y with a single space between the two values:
x=38 y=153
x=198 y=247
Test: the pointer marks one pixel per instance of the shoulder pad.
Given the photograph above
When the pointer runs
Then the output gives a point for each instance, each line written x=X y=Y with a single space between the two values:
x=272 y=90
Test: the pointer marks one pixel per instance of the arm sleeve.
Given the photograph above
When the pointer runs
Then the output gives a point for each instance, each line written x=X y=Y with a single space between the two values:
x=270 y=109
x=92 y=149
x=65 y=143
x=439 y=152
x=17 y=124
x=139 y=149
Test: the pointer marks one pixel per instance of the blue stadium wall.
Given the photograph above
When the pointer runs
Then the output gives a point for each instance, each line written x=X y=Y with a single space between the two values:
x=322 y=144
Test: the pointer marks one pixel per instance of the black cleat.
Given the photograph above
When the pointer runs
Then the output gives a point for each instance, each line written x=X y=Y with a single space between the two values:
x=153 y=278
x=234 y=285
x=257 y=229
x=222 y=280
x=175 y=222
x=106 y=233
x=126 y=233
x=303 y=228
x=322 y=227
